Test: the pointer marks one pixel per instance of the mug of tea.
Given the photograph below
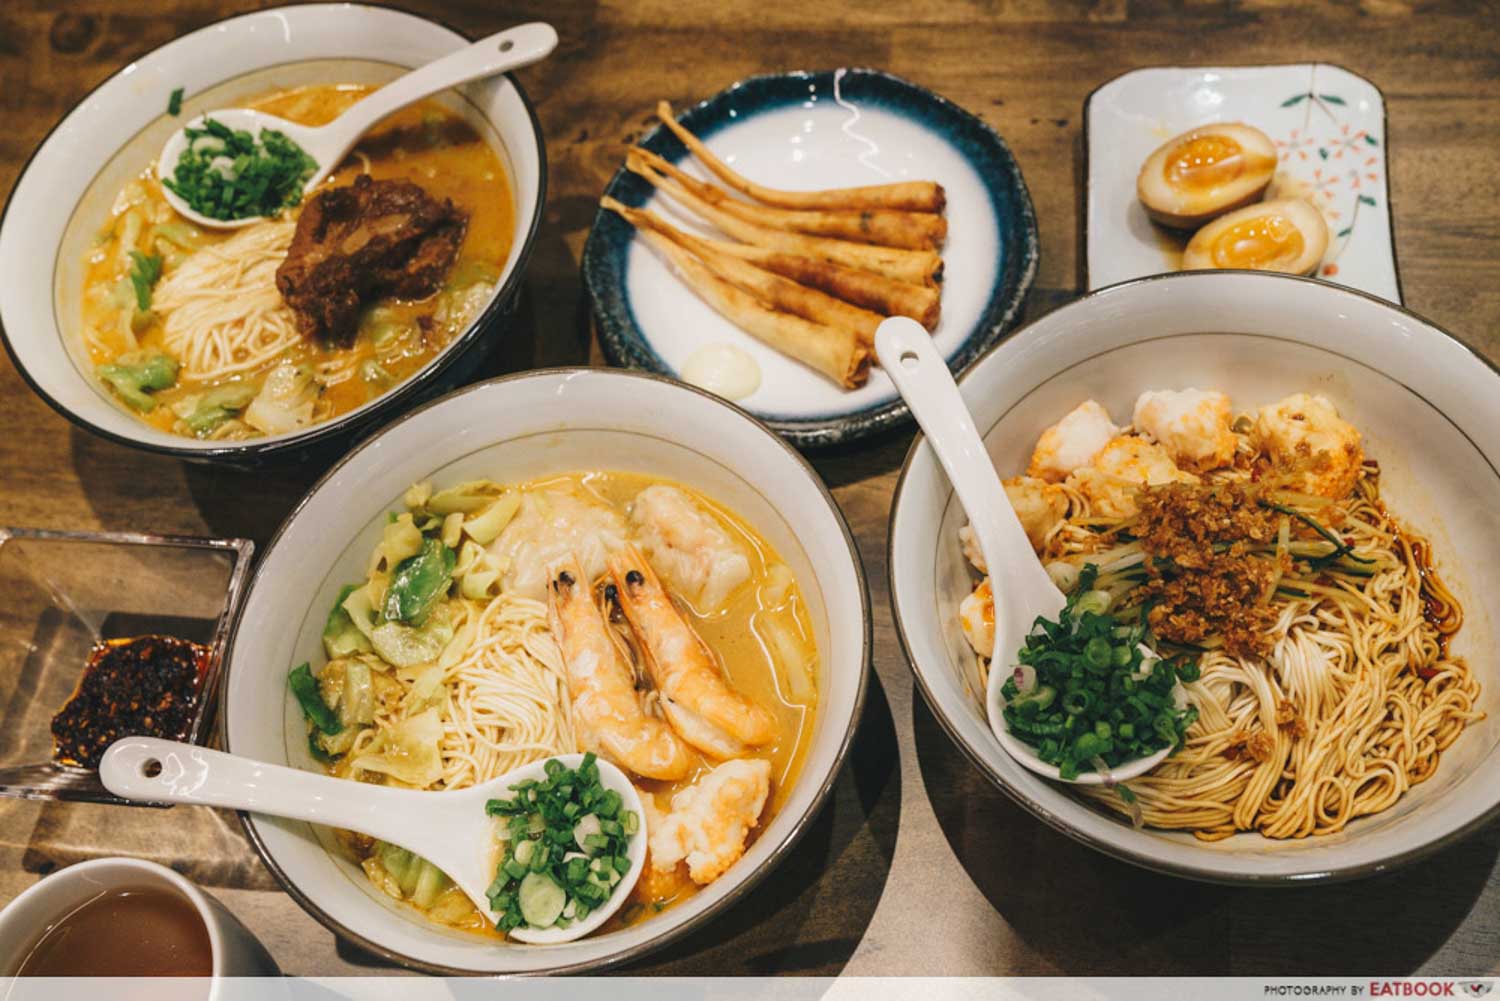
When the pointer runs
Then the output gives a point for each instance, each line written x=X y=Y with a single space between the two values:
x=123 y=917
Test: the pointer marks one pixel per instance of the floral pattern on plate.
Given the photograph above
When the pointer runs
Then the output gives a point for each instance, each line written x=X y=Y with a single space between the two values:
x=1329 y=129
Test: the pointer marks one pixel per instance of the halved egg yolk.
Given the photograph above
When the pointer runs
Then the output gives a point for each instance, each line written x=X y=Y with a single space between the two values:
x=1204 y=173
x=1288 y=236
x=1204 y=162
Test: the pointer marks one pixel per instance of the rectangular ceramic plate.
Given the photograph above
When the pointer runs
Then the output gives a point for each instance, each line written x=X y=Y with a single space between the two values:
x=1329 y=129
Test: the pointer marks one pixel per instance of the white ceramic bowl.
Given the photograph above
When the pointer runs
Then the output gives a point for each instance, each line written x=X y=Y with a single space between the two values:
x=519 y=428
x=1430 y=410
x=236 y=952
x=66 y=189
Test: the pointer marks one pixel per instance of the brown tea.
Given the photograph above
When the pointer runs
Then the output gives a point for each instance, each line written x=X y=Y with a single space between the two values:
x=127 y=932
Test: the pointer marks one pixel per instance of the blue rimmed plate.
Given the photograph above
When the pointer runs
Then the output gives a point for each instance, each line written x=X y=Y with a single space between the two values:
x=836 y=128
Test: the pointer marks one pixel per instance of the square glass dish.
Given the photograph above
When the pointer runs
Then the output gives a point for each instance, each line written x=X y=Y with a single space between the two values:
x=63 y=593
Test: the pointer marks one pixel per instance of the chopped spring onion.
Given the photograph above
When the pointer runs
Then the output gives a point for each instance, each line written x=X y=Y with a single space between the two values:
x=174 y=103
x=229 y=174
x=566 y=847
x=1100 y=698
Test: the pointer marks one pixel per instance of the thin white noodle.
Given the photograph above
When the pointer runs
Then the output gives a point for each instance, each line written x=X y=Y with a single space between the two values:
x=505 y=700
x=221 y=312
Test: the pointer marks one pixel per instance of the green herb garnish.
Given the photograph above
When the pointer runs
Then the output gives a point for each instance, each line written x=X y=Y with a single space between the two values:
x=1096 y=696
x=145 y=269
x=174 y=103
x=305 y=687
x=566 y=847
x=229 y=174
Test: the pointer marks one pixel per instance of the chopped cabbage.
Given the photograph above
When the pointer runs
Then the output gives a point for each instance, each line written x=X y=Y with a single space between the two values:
x=466 y=497
x=285 y=401
x=408 y=751
x=409 y=646
x=489 y=523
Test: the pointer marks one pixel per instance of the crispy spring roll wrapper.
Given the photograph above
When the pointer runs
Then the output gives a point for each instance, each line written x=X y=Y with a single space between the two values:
x=922 y=267
x=886 y=296
x=908 y=196
x=883 y=227
x=834 y=352
x=772 y=289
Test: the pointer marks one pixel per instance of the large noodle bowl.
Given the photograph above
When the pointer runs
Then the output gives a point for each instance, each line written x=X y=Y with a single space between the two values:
x=1258 y=549
x=501 y=624
x=234 y=360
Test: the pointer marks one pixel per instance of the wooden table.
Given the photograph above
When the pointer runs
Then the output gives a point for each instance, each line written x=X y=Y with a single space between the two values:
x=917 y=865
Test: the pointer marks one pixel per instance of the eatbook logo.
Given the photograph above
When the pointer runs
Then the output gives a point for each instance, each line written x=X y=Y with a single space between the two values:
x=1475 y=988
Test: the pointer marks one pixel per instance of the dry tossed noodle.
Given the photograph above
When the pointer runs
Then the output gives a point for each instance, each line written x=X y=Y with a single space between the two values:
x=221 y=312
x=1325 y=694
x=1339 y=720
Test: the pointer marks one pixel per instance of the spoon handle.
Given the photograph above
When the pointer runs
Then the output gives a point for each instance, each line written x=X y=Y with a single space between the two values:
x=501 y=52
x=165 y=771
x=921 y=375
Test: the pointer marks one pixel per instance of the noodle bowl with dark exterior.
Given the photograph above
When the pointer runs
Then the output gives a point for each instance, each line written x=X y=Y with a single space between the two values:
x=1326 y=605
x=152 y=331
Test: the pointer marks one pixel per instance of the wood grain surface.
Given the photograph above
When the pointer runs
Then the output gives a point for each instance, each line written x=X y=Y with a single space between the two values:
x=917 y=865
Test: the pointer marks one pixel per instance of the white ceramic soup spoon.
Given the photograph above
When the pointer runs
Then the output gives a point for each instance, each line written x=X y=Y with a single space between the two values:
x=328 y=144
x=449 y=829
x=1022 y=590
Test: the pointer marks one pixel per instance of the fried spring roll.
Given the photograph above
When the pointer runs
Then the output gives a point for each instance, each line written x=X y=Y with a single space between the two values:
x=883 y=227
x=918 y=266
x=772 y=289
x=910 y=196
x=886 y=296
x=836 y=353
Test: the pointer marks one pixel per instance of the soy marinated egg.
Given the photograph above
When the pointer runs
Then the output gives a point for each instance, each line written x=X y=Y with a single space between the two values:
x=1204 y=173
x=1289 y=236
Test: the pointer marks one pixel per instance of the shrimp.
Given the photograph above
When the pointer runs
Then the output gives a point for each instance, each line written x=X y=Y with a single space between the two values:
x=1191 y=424
x=606 y=712
x=1310 y=445
x=698 y=702
x=711 y=819
x=1072 y=442
x=976 y=616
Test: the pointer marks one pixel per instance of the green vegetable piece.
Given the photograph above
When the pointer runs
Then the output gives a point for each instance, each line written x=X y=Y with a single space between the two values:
x=542 y=900
x=217 y=406
x=174 y=103
x=135 y=376
x=341 y=636
x=419 y=582
x=145 y=270
x=430 y=883
x=305 y=687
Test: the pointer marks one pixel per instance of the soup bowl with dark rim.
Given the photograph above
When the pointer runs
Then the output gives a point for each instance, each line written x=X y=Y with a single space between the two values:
x=1428 y=407
x=516 y=429
x=66 y=190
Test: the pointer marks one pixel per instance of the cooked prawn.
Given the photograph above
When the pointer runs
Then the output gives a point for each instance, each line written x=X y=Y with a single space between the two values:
x=606 y=712
x=696 y=698
x=711 y=819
